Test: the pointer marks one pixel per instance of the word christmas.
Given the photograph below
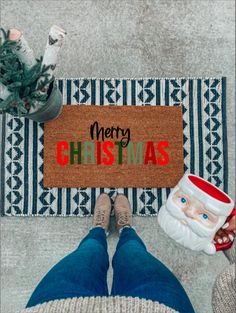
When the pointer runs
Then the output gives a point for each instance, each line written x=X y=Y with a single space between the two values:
x=109 y=152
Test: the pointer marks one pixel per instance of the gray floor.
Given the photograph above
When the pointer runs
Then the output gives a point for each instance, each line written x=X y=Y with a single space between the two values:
x=120 y=39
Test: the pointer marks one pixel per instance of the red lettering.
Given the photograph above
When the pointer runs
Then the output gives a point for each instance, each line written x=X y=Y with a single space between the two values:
x=110 y=159
x=150 y=153
x=99 y=153
x=165 y=157
x=62 y=145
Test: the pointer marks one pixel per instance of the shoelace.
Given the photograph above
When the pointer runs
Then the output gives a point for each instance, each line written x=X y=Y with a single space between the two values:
x=100 y=217
x=123 y=218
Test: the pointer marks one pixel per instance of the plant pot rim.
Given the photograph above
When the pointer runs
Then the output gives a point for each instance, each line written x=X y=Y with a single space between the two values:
x=45 y=106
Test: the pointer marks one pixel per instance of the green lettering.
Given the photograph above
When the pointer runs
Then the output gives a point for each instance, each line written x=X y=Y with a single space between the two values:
x=119 y=144
x=89 y=152
x=74 y=152
x=134 y=156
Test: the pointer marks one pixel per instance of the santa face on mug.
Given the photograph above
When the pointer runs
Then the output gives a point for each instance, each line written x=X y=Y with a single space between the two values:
x=194 y=212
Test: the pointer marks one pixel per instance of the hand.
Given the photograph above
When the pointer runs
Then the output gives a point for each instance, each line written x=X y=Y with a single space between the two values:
x=227 y=232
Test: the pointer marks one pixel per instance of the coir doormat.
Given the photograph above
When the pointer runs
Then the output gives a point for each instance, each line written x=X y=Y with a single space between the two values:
x=114 y=146
x=205 y=144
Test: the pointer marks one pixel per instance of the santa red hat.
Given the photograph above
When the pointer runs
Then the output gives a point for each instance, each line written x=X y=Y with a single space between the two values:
x=215 y=200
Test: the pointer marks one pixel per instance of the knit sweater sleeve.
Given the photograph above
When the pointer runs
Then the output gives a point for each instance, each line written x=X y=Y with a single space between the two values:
x=224 y=289
x=100 y=305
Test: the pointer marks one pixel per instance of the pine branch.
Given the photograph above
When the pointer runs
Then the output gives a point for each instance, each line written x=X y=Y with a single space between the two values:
x=24 y=85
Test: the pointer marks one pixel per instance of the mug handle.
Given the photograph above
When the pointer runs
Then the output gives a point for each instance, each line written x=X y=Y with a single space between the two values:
x=227 y=245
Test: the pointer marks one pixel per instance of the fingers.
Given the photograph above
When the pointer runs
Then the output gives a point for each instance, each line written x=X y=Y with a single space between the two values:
x=220 y=233
x=218 y=239
x=225 y=225
x=226 y=239
x=230 y=225
x=231 y=236
x=226 y=233
x=223 y=236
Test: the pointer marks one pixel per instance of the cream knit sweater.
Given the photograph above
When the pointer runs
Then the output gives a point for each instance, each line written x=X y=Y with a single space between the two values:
x=224 y=290
x=100 y=305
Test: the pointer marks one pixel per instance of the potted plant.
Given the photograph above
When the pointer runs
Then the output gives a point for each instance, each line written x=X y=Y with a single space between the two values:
x=27 y=85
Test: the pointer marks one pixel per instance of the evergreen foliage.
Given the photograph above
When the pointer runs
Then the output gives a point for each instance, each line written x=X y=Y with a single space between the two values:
x=22 y=83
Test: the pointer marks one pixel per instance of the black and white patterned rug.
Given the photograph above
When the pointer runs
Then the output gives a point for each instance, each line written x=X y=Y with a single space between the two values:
x=204 y=131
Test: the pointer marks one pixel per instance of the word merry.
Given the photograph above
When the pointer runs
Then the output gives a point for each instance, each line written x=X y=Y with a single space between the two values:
x=112 y=132
x=107 y=152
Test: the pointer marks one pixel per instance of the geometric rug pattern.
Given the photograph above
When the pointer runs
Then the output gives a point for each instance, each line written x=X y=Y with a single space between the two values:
x=204 y=135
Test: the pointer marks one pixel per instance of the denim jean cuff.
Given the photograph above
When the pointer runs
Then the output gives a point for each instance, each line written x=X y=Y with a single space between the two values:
x=99 y=226
x=126 y=226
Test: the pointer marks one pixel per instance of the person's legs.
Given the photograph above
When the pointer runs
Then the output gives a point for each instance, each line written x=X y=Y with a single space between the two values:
x=81 y=273
x=139 y=274
x=84 y=271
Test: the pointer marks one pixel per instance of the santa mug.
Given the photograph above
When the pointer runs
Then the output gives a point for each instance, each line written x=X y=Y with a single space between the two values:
x=194 y=211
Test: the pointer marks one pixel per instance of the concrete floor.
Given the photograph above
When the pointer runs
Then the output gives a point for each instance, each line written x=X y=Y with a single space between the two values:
x=120 y=39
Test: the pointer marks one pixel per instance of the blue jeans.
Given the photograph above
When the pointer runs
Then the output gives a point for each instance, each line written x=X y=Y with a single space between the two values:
x=136 y=273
